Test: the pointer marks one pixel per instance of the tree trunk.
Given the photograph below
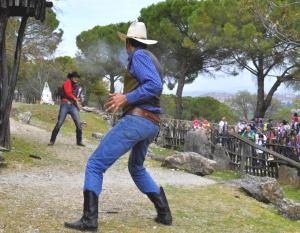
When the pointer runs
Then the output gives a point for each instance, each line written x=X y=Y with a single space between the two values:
x=178 y=100
x=112 y=84
x=260 y=102
x=8 y=81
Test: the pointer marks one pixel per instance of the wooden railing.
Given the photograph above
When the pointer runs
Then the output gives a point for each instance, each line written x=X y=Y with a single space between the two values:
x=247 y=157
x=173 y=132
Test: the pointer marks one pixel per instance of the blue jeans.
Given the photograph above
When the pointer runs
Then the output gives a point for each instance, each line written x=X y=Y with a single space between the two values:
x=64 y=110
x=132 y=132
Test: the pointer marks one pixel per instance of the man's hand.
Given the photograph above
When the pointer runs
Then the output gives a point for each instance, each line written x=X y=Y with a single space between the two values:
x=115 y=102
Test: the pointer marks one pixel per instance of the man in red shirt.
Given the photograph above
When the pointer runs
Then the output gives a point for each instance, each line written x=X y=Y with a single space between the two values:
x=69 y=105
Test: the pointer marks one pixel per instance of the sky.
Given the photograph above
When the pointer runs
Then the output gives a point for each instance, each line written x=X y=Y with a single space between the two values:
x=76 y=16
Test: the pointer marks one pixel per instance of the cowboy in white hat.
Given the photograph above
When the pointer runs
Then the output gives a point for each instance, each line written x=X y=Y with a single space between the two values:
x=139 y=125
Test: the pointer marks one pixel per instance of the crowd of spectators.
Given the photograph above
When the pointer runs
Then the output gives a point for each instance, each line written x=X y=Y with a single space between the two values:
x=282 y=137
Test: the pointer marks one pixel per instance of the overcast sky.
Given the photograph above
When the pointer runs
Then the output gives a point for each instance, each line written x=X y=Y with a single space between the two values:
x=76 y=16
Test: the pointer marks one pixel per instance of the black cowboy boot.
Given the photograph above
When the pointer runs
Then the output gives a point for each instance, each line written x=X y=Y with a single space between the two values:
x=89 y=220
x=53 y=136
x=162 y=207
x=79 y=137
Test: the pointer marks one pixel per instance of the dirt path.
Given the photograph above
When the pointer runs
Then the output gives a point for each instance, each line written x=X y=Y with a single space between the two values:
x=47 y=195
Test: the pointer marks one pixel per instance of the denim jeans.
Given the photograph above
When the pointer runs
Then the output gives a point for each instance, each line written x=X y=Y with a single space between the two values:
x=131 y=132
x=64 y=110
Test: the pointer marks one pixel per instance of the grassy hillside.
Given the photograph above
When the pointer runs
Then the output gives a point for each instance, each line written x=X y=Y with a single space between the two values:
x=45 y=117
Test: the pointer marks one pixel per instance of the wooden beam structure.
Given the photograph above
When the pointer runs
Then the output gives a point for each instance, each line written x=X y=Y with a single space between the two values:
x=26 y=8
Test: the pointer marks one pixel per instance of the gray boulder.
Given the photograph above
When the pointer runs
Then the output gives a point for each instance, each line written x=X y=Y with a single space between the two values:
x=222 y=159
x=264 y=189
x=288 y=176
x=289 y=209
x=97 y=135
x=156 y=157
x=190 y=162
x=25 y=117
x=197 y=141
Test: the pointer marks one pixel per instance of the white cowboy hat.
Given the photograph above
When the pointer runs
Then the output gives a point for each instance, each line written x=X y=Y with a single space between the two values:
x=137 y=31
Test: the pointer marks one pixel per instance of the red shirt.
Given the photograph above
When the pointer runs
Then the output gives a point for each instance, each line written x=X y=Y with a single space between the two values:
x=196 y=122
x=68 y=90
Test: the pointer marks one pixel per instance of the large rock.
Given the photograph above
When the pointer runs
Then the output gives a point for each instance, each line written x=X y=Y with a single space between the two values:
x=197 y=141
x=1 y=157
x=289 y=209
x=97 y=135
x=268 y=190
x=191 y=162
x=222 y=158
x=288 y=176
x=156 y=157
x=264 y=189
x=25 y=117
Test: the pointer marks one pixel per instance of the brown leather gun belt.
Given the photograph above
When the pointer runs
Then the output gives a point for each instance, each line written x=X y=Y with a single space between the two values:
x=144 y=113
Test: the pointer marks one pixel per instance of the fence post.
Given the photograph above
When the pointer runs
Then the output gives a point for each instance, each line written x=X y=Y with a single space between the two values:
x=242 y=167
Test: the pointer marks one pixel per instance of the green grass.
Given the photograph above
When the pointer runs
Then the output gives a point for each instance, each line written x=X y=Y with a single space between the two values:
x=213 y=209
x=163 y=152
x=45 y=117
x=292 y=193
x=224 y=175
x=21 y=150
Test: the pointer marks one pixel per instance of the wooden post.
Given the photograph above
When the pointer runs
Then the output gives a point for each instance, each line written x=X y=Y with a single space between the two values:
x=8 y=81
x=243 y=155
x=4 y=126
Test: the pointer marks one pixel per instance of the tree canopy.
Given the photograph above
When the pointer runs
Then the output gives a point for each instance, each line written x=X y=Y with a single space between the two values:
x=248 y=44
x=102 y=53
x=168 y=22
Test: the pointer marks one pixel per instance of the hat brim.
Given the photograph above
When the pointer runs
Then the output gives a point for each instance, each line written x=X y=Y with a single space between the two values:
x=144 y=41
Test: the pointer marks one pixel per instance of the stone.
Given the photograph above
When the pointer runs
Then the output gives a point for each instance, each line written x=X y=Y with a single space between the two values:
x=156 y=157
x=97 y=135
x=25 y=117
x=289 y=209
x=1 y=157
x=288 y=176
x=197 y=141
x=89 y=109
x=222 y=158
x=191 y=162
x=264 y=189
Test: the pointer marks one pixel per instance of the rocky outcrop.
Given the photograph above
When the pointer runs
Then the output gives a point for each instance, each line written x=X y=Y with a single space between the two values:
x=268 y=190
x=197 y=141
x=156 y=157
x=222 y=158
x=97 y=135
x=289 y=209
x=264 y=189
x=25 y=117
x=288 y=176
x=190 y=162
x=1 y=157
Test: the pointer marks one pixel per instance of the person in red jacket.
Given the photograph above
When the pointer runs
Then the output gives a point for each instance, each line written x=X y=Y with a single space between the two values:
x=69 y=105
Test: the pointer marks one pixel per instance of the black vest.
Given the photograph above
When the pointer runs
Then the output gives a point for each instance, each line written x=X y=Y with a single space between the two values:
x=131 y=83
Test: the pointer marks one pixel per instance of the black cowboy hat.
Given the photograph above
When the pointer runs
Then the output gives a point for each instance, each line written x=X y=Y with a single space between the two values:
x=73 y=75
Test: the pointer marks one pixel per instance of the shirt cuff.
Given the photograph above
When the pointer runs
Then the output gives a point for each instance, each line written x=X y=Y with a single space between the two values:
x=130 y=98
